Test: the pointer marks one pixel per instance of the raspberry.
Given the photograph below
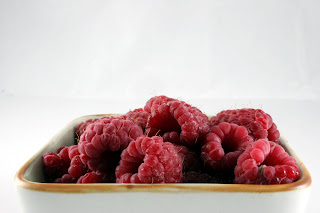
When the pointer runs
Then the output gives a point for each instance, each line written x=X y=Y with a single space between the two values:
x=54 y=165
x=223 y=145
x=190 y=160
x=61 y=148
x=107 y=134
x=72 y=156
x=156 y=101
x=66 y=166
x=265 y=162
x=161 y=121
x=90 y=177
x=81 y=127
x=97 y=177
x=256 y=121
x=149 y=160
x=273 y=133
x=63 y=152
x=66 y=178
x=137 y=116
x=180 y=117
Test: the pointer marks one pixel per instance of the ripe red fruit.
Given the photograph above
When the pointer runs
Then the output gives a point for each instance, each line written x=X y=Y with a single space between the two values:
x=265 y=162
x=154 y=102
x=107 y=134
x=149 y=160
x=258 y=123
x=180 y=117
x=223 y=145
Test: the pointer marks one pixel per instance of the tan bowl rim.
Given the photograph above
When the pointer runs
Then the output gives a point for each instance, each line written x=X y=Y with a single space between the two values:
x=303 y=182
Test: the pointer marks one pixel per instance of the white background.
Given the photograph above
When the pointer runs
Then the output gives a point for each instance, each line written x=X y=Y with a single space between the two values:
x=63 y=59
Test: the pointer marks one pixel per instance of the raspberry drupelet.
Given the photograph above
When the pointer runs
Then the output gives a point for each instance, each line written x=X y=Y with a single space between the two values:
x=149 y=160
x=265 y=162
x=258 y=123
x=223 y=145
x=177 y=116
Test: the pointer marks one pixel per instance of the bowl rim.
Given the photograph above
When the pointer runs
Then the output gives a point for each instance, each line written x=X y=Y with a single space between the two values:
x=302 y=183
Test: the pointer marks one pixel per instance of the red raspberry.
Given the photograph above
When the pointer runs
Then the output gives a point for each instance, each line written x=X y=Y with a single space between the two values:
x=61 y=148
x=161 y=121
x=107 y=134
x=156 y=101
x=95 y=177
x=54 y=165
x=258 y=123
x=265 y=162
x=81 y=127
x=90 y=177
x=179 y=117
x=137 y=116
x=71 y=156
x=63 y=152
x=66 y=178
x=273 y=133
x=149 y=160
x=66 y=162
x=77 y=168
x=223 y=145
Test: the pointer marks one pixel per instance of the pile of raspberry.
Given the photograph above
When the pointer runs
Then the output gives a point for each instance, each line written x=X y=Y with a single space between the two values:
x=170 y=141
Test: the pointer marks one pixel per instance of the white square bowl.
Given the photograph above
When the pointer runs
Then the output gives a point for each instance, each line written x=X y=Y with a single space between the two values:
x=38 y=196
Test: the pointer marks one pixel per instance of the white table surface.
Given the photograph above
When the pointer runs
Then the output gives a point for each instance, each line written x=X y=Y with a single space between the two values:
x=27 y=123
